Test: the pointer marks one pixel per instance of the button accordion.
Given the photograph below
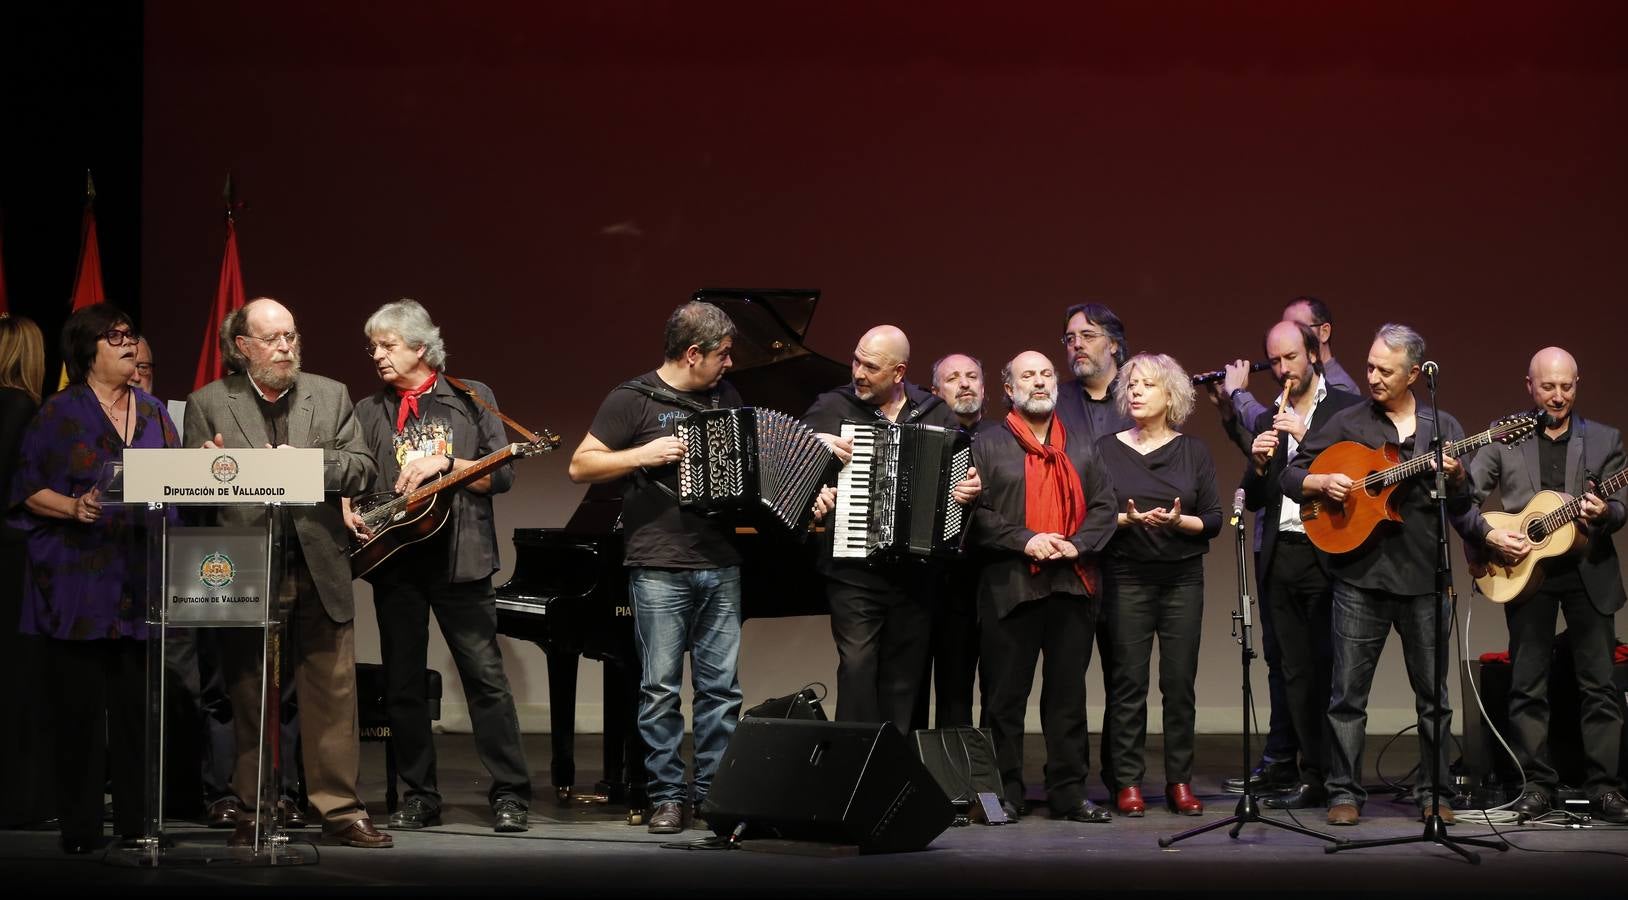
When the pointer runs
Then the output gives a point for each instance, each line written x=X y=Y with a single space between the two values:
x=894 y=495
x=747 y=458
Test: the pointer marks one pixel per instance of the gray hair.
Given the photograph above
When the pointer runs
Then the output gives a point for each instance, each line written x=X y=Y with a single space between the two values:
x=940 y=361
x=696 y=324
x=1168 y=375
x=1401 y=337
x=410 y=321
x=236 y=323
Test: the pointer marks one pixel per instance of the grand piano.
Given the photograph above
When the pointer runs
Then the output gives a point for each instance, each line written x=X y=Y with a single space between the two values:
x=568 y=593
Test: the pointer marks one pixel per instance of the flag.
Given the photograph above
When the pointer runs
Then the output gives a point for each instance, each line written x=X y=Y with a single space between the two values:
x=228 y=297
x=87 y=282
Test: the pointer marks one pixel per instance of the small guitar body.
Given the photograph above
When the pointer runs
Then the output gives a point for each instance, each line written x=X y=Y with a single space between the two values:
x=1343 y=527
x=418 y=518
x=1501 y=582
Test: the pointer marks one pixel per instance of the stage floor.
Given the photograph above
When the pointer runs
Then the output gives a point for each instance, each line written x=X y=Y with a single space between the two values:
x=589 y=851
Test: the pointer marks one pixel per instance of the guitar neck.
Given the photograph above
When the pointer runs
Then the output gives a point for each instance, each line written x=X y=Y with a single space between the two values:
x=1568 y=511
x=474 y=472
x=1419 y=464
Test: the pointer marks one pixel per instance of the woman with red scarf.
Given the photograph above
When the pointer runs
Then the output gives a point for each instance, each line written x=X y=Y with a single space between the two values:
x=1046 y=511
x=1165 y=482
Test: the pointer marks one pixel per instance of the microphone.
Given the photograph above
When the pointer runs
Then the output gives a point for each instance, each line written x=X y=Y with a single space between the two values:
x=1430 y=368
x=1237 y=506
x=1218 y=374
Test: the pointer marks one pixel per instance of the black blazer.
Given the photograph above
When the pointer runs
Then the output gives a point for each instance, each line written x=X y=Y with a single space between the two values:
x=1261 y=492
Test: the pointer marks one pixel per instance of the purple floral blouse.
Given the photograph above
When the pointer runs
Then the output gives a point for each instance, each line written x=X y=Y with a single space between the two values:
x=84 y=582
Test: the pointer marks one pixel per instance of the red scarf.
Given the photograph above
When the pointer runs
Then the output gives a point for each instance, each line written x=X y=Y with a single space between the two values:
x=1053 y=499
x=409 y=401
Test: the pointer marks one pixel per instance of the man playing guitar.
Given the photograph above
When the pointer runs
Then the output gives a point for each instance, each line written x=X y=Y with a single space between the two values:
x=1586 y=585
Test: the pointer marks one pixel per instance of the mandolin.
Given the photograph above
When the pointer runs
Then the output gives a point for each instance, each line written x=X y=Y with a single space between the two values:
x=1549 y=521
x=1345 y=526
x=394 y=521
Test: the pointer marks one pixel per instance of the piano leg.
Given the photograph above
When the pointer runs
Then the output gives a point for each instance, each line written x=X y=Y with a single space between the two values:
x=624 y=751
x=562 y=714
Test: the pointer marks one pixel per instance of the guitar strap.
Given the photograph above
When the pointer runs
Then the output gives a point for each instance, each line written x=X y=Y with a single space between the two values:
x=470 y=392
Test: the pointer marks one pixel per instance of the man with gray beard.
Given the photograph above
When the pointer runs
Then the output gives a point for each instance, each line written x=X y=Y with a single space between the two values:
x=268 y=402
x=1046 y=511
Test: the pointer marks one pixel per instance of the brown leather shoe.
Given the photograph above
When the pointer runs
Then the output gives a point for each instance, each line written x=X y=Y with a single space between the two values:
x=1343 y=814
x=242 y=833
x=359 y=833
x=223 y=813
x=289 y=814
x=1447 y=817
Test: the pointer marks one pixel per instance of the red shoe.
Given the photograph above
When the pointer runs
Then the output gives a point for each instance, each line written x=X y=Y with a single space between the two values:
x=1130 y=803
x=1180 y=799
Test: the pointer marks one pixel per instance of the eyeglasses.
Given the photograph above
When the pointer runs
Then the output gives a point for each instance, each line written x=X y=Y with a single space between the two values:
x=144 y=368
x=1074 y=338
x=386 y=346
x=118 y=337
x=292 y=337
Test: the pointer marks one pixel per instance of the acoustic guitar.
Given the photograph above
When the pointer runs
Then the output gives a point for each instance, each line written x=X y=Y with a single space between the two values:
x=394 y=521
x=1549 y=521
x=1345 y=526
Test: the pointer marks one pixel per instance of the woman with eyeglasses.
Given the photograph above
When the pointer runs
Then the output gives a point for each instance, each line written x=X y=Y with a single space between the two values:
x=84 y=591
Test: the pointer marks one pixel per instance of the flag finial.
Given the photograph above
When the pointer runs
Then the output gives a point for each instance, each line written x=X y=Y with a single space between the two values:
x=90 y=188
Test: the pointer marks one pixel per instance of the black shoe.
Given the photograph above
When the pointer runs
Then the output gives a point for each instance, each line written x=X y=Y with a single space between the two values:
x=1013 y=812
x=1612 y=807
x=290 y=815
x=669 y=817
x=1531 y=805
x=414 y=814
x=1087 y=812
x=1267 y=778
x=80 y=845
x=509 y=817
x=1301 y=796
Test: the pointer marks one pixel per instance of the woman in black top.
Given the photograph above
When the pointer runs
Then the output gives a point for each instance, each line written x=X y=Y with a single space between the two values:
x=1165 y=482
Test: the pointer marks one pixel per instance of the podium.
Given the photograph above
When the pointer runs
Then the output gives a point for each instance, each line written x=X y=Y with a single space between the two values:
x=213 y=575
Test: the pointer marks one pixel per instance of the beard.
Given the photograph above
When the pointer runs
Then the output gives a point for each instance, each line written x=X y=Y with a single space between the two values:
x=966 y=406
x=267 y=374
x=1037 y=406
x=1301 y=386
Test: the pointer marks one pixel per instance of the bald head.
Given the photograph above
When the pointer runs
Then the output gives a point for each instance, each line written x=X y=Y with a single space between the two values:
x=1552 y=378
x=1031 y=384
x=263 y=333
x=879 y=363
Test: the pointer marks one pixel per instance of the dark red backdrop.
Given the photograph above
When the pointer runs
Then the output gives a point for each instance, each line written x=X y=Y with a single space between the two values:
x=551 y=179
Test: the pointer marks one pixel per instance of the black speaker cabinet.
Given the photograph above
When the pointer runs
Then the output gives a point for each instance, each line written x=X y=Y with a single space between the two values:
x=836 y=782
x=1484 y=756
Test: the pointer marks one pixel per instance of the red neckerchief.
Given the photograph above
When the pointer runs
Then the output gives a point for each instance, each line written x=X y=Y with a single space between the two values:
x=1054 y=500
x=409 y=401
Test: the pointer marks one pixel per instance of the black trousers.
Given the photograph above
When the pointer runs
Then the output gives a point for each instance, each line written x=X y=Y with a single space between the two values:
x=1056 y=630
x=1280 y=729
x=1531 y=655
x=97 y=690
x=952 y=661
x=1300 y=598
x=467 y=613
x=882 y=636
x=1174 y=614
x=26 y=757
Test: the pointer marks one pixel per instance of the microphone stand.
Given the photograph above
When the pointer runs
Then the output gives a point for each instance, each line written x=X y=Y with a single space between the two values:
x=1435 y=830
x=1248 y=810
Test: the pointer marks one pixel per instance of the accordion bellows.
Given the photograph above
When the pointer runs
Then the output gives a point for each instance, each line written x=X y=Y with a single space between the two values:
x=748 y=458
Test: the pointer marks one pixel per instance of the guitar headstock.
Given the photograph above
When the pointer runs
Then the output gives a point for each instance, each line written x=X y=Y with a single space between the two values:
x=547 y=442
x=1513 y=429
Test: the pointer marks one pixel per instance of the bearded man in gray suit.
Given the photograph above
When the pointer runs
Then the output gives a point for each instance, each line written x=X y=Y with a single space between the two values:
x=1569 y=454
x=269 y=402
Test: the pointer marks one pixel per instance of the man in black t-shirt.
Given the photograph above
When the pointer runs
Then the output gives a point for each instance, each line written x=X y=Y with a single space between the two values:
x=683 y=569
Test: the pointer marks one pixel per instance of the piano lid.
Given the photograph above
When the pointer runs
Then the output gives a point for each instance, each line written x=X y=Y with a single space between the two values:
x=773 y=368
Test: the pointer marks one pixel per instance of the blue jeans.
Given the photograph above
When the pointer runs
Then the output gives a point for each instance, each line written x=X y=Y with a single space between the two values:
x=1362 y=620
x=675 y=610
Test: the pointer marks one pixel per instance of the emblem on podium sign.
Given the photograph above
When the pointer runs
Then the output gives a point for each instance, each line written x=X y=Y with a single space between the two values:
x=216 y=570
x=224 y=468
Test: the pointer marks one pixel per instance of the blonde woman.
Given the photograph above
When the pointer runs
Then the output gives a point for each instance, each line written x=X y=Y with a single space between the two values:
x=1168 y=511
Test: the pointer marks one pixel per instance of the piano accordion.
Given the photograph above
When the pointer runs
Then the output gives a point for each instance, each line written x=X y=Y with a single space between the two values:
x=749 y=458
x=894 y=494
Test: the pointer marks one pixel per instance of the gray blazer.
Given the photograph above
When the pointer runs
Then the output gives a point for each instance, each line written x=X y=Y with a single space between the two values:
x=1594 y=448
x=319 y=415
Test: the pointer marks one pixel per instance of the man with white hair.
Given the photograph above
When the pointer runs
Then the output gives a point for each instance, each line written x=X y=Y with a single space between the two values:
x=1046 y=511
x=421 y=425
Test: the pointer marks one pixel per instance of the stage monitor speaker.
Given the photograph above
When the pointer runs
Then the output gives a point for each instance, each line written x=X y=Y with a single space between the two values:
x=836 y=782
